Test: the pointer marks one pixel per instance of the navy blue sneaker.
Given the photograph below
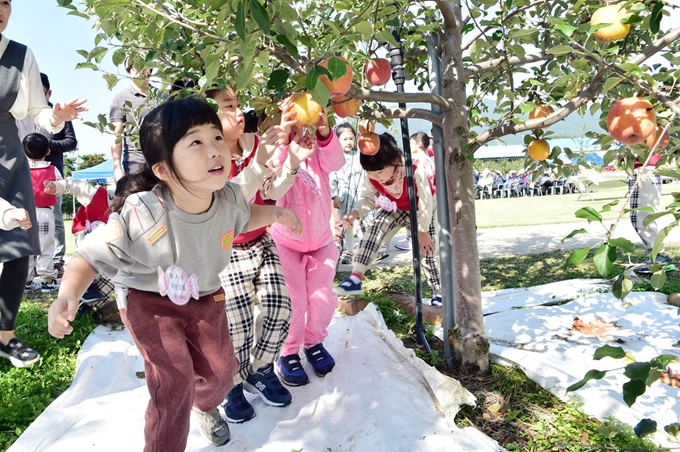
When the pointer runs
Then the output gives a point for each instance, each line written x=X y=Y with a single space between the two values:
x=265 y=383
x=662 y=261
x=236 y=408
x=436 y=300
x=320 y=359
x=291 y=371
x=348 y=287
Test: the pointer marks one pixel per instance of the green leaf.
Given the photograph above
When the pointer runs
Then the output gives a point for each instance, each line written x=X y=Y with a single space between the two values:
x=385 y=35
x=365 y=29
x=311 y=80
x=658 y=279
x=592 y=374
x=278 y=79
x=566 y=30
x=610 y=83
x=336 y=68
x=632 y=390
x=623 y=243
x=655 y=18
x=576 y=257
x=321 y=95
x=603 y=259
x=574 y=233
x=637 y=371
x=662 y=361
x=261 y=16
x=103 y=3
x=241 y=21
x=560 y=50
x=608 y=351
x=111 y=80
x=282 y=39
x=673 y=429
x=645 y=427
x=86 y=66
x=588 y=213
x=660 y=237
x=622 y=286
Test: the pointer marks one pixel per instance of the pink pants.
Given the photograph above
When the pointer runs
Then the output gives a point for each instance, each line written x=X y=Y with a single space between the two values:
x=188 y=361
x=309 y=279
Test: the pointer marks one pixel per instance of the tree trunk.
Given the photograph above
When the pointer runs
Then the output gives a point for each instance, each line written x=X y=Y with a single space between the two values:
x=470 y=344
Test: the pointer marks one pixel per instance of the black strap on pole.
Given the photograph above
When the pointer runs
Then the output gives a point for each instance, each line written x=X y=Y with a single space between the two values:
x=399 y=77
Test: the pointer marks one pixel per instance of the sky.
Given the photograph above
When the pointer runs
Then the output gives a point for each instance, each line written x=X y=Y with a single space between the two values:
x=54 y=37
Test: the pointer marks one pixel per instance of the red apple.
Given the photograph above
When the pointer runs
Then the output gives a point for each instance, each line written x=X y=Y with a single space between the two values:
x=378 y=71
x=665 y=139
x=339 y=86
x=368 y=143
x=345 y=106
x=631 y=120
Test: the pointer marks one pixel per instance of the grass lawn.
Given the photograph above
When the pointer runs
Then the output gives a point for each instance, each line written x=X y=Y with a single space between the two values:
x=529 y=418
x=552 y=209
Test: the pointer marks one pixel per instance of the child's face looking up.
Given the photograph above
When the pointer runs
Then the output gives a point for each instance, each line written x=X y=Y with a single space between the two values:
x=385 y=176
x=201 y=159
x=230 y=115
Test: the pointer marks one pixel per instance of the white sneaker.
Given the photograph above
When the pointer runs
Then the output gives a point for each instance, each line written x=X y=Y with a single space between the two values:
x=50 y=286
x=32 y=286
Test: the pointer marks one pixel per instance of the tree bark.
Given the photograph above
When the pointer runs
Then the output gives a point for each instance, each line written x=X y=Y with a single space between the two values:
x=471 y=346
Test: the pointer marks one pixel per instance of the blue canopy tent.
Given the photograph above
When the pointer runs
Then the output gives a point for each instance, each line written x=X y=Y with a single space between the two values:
x=98 y=173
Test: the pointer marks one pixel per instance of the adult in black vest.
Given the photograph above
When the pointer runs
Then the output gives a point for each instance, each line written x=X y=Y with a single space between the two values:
x=21 y=94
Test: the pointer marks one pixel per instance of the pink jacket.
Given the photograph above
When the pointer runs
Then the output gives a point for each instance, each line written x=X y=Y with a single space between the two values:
x=310 y=198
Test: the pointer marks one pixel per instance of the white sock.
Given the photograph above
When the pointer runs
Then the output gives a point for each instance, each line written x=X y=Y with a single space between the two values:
x=354 y=279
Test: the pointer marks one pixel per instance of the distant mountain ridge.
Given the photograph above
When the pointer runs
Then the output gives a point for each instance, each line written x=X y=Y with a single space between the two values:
x=573 y=126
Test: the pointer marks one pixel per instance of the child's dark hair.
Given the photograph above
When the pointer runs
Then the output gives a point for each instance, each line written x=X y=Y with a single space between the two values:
x=36 y=146
x=344 y=126
x=421 y=138
x=129 y=184
x=388 y=154
x=160 y=131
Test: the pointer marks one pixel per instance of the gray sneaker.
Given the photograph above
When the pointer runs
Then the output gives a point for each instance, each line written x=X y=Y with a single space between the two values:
x=213 y=428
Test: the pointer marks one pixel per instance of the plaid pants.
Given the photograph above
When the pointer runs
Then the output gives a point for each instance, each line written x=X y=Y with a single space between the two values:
x=648 y=194
x=383 y=223
x=255 y=270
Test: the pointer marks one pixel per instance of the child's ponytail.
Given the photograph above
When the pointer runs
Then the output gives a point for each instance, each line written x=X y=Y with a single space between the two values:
x=131 y=184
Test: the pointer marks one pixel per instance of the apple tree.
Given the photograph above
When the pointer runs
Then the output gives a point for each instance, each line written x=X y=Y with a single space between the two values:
x=519 y=53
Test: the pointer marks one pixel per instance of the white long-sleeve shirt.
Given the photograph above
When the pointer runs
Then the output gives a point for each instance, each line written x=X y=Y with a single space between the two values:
x=31 y=98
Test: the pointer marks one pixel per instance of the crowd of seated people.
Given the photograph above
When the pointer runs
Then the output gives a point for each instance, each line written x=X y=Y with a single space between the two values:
x=495 y=184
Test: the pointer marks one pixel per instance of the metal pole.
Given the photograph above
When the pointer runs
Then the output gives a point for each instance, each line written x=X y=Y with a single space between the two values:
x=399 y=77
x=444 y=232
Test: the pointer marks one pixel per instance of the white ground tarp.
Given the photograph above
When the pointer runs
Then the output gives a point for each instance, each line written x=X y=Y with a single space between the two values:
x=532 y=328
x=379 y=397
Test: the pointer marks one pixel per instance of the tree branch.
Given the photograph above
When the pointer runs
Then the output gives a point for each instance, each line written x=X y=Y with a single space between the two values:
x=584 y=96
x=476 y=69
x=387 y=96
x=449 y=17
x=507 y=129
x=481 y=32
x=180 y=23
x=398 y=113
